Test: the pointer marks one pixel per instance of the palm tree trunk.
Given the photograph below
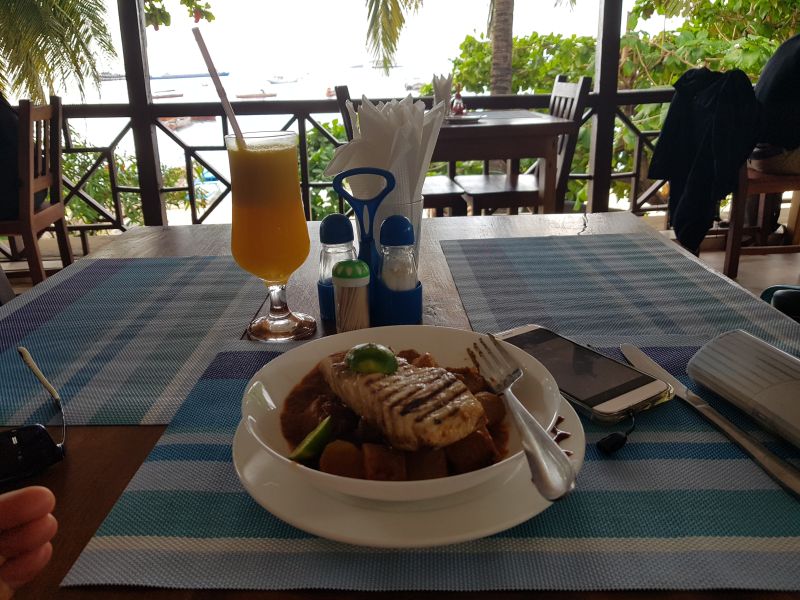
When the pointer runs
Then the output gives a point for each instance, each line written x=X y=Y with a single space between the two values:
x=502 y=31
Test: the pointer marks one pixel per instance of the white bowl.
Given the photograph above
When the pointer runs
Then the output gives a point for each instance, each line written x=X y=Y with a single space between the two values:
x=267 y=390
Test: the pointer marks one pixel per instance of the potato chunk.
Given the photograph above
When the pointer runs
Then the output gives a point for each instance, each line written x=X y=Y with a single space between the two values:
x=384 y=464
x=471 y=378
x=425 y=360
x=426 y=464
x=474 y=452
x=342 y=458
x=493 y=406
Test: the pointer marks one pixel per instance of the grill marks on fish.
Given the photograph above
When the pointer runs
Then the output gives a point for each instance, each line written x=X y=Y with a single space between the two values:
x=414 y=407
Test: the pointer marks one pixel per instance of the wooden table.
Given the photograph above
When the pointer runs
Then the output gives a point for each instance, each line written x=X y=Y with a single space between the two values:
x=101 y=460
x=509 y=134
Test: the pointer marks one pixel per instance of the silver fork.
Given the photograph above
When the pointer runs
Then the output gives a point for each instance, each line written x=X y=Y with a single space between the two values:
x=551 y=471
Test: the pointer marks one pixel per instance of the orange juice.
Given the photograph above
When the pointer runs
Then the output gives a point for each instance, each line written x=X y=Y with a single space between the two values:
x=269 y=237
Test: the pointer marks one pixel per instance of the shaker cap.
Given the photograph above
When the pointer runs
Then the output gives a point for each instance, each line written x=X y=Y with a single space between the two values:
x=351 y=273
x=397 y=230
x=335 y=229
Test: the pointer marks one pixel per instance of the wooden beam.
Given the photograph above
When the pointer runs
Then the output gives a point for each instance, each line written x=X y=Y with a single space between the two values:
x=137 y=74
x=605 y=87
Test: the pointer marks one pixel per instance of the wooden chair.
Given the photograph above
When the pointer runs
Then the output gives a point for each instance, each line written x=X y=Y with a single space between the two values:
x=489 y=192
x=6 y=291
x=39 y=170
x=752 y=182
x=439 y=192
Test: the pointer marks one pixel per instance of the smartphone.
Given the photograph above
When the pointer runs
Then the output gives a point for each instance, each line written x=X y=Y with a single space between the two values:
x=603 y=388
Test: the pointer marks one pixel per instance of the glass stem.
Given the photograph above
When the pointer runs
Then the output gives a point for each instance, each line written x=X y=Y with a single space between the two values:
x=278 y=308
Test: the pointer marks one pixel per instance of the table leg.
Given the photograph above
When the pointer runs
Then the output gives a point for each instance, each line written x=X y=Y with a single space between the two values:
x=547 y=178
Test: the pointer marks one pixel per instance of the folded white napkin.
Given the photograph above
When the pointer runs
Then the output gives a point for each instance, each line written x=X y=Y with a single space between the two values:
x=398 y=136
x=442 y=90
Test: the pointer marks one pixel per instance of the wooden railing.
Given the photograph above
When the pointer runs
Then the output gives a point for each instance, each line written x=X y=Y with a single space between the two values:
x=305 y=115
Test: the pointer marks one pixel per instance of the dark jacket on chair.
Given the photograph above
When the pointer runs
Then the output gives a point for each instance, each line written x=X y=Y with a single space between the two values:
x=712 y=125
x=9 y=172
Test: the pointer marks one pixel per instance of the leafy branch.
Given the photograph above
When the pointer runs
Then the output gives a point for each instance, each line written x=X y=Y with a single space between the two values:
x=156 y=14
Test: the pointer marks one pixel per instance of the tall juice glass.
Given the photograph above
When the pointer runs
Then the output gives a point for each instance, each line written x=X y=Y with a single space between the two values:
x=269 y=236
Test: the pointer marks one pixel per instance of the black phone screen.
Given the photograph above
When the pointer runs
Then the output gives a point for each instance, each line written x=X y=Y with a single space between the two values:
x=585 y=375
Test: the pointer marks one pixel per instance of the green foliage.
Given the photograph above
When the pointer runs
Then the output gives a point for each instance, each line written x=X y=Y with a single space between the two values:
x=155 y=14
x=50 y=43
x=98 y=186
x=44 y=43
x=536 y=60
x=320 y=152
x=386 y=19
x=720 y=35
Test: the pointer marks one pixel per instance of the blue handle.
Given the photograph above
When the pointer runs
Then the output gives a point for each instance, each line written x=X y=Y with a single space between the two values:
x=365 y=208
x=387 y=175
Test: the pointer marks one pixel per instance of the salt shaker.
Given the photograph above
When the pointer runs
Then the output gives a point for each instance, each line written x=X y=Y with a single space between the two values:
x=398 y=268
x=351 y=293
x=336 y=235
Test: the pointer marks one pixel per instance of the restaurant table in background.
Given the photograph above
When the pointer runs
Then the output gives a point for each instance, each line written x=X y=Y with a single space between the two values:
x=102 y=459
x=511 y=135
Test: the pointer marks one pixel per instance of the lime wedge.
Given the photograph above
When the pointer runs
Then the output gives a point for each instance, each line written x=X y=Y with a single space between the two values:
x=371 y=358
x=314 y=443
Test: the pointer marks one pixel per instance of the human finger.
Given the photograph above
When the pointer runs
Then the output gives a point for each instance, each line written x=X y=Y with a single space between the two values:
x=27 y=504
x=19 y=570
x=22 y=539
x=5 y=591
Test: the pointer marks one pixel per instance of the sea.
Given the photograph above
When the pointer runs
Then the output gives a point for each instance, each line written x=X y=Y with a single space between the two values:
x=240 y=87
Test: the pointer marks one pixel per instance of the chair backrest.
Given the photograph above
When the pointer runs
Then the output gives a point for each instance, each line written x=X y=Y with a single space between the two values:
x=6 y=291
x=342 y=96
x=39 y=150
x=568 y=101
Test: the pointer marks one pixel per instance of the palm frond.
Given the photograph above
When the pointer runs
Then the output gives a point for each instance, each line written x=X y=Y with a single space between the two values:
x=44 y=42
x=386 y=19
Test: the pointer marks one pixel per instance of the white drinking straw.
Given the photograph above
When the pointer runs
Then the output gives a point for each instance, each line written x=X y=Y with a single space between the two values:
x=226 y=105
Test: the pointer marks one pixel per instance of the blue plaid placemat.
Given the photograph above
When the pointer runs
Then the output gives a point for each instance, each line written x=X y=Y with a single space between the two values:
x=677 y=508
x=604 y=290
x=123 y=340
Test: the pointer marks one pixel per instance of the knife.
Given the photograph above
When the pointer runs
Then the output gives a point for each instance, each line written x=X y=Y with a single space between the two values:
x=782 y=472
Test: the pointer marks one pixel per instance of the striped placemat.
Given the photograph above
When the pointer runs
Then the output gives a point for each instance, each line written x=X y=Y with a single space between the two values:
x=123 y=340
x=678 y=508
x=604 y=290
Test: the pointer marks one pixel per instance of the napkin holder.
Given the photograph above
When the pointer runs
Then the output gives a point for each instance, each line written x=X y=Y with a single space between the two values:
x=365 y=211
x=387 y=307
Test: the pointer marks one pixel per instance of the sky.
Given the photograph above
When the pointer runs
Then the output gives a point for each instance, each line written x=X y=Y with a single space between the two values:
x=313 y=35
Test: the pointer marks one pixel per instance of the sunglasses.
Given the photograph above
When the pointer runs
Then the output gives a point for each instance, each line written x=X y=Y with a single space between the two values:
x=26 y=451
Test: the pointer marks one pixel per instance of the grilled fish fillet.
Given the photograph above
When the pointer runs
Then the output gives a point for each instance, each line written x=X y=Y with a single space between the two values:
x=415 y=407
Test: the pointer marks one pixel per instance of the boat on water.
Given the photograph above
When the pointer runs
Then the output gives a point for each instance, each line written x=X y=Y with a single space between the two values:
x=174 y=123
x=167 y=94
x=281 y=79
x=186 y=75
x=108 y=76
x=260 y=94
